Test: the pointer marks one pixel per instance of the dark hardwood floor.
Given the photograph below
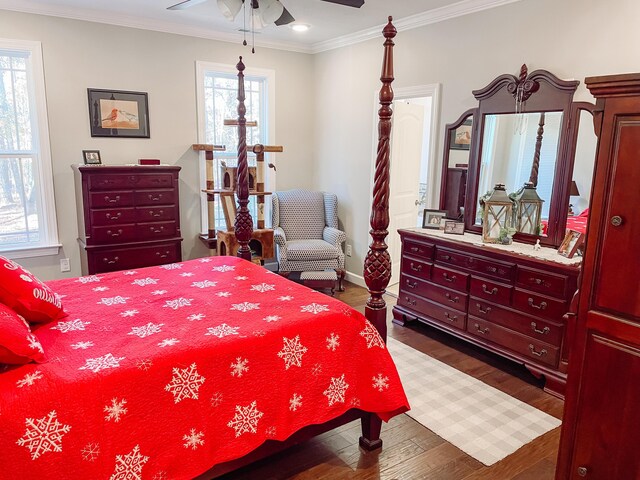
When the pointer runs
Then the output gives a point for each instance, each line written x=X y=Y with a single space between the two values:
x=411 y=451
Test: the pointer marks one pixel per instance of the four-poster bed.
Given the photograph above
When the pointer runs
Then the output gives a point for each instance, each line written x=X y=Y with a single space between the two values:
x=165 y=371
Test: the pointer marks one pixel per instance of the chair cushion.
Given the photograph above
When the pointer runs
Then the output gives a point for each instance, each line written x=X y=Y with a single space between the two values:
x=309 y=250
x=301 y=214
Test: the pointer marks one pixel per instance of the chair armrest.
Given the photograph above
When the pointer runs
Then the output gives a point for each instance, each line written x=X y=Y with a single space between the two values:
x=279 y=237
x=334 y=236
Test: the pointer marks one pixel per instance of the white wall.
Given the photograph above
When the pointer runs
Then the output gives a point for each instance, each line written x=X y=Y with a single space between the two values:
x=78 y=55
x=571 y=38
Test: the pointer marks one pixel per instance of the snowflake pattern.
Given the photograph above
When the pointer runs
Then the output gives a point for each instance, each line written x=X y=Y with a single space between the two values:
x=129 y=313
x=43 y=435
x=185 y=383
x=161 y=475
x=333 y=342
x=381 y=383
x=193 y=439
x=129 y=466
x=285 y=298
x=34 y=343
x=171 y=266
x=145 y=364
x=316 y=370
x=262 y=287
x=178 y=303
x=115 y=410
x=372 y=336
x=241 y=277
x=245 y=306
x=168 y=342
x=196 y=316
x=246 y=419
x=142 y=282
x=314 y=308
x=223 y=294
x=101 y=363
x=292 y=352
x=158 y=292
x=216 y=399
x=222 y=330
x=223 y=268
x=117 y=300
x=70 y=326
x=295 y=402
x=186 y=274
x=100 y=289
x=204 y=284
x=259 y=333
x=337 y=388
x=204 y=260
x=271 y=318
x=130 y=272
x=90 y=452
x=29 y=379
x=240 y=366
x=88 y=279
x=146 y=330
x=82 y=345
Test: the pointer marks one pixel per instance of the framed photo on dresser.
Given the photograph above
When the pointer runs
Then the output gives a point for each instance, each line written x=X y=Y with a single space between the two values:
x=433 y=218
x=573 y=241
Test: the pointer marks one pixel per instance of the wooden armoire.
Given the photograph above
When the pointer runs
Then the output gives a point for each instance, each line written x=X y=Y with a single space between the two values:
x=601 y=427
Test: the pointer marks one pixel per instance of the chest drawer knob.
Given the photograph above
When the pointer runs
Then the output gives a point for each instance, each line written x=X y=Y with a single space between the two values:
x=156 y=230
x=414 y=249
x=493 y=291
x=453 y=318
x=483 y=310
x=115 y=199
x=449 y=278
x=115 y=216
x=411 y=301
x=492 y=269
x=533 y=350
x=539 y=281
x=616 y=220
x=163 y=255
x=451 y=298
x=117 y=233
x=482 y=331
x=544 y=331
x=155 y=213
x=411 y=284
x=112 y=261
x=582 y=471
x=540 y=306
x=445 y=257
x=155 y=198
x=415 y=268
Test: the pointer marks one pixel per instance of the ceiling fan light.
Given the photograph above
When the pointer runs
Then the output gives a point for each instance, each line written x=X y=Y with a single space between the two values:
x=271 y=10
x=299 y=27
x=230 y=8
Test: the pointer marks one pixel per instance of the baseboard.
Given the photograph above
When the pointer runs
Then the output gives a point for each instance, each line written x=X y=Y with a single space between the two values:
x=354 y=278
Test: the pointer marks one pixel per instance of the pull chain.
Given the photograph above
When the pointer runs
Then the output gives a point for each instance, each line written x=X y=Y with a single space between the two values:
x=244 y=23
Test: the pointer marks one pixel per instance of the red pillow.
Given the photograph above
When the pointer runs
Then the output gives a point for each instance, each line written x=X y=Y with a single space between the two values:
x=584 y=213
x=17 y=344
x=26 y=295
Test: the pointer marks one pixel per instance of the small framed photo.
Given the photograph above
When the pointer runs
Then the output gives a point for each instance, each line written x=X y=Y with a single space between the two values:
x=117 y=113
x=573 y=240
x=91 y=157
x=461 y=136
x=456 y=228
x=433 y=218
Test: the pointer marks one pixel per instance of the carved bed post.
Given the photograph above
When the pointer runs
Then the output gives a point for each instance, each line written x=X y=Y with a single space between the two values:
x=377 y=264
x=243 y=223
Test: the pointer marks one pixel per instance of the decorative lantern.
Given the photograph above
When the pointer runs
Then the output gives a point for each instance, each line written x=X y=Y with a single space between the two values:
x=497 y=215
x=528 y=209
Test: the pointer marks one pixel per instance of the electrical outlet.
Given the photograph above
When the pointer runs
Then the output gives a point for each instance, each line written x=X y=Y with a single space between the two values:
x=348 y=251
x=65 y=266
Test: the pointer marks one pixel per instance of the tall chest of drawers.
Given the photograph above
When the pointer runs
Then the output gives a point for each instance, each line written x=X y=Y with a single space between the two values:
x=508 y=303
x=128 y=216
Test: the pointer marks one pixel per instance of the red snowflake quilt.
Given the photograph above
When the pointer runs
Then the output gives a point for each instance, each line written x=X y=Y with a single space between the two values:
x=163 y=372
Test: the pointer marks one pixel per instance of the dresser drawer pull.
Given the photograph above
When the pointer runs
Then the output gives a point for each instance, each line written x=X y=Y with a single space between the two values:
x=448 y=278
x=411 y=284
x=493 y=291
x=539 y=281
x=163 y=255
x=483 y=310
x=416 y=268
x=445 y=257
x=157 y=214
x=111 y=262
x=115 y=216
x=108 y=199
x=483 y=331
x=155 y=198
x=492 y=269
x=542 y=305
x=415 y=249
x=410 y=301
x=156 y=230
x=453 y=318
x=114 y=234
x=452 y=299
x=544 y=331
x=541 y=353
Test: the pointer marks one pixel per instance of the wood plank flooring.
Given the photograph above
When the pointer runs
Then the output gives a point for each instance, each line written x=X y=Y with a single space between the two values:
x=411 y=451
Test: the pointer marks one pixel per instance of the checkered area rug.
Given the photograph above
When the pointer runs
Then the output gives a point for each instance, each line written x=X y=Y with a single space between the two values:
x=475 y=417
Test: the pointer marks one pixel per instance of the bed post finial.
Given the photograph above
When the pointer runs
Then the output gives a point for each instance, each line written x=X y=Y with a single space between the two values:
x=243 y=223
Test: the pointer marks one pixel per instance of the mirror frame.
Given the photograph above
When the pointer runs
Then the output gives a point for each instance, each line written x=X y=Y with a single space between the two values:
x=541 y=91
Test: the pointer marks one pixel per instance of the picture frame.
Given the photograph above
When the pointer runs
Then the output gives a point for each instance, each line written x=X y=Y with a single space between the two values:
x=453 y=227
x=91 y=157
x=461 y=136
x=573 y=240
x=118 y=113
x=433 y=219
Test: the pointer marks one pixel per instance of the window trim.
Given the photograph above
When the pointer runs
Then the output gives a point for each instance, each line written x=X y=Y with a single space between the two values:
x=202 y=68
x=51 y=244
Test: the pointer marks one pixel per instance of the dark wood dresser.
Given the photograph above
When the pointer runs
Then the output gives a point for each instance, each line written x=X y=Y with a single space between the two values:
x=509 y=303
x=128 y=216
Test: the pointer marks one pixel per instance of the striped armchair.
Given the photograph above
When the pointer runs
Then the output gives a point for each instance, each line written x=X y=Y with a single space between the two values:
x=306 y=234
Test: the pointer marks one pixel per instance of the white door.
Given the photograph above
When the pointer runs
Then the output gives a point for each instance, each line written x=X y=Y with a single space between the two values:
x=406 y=156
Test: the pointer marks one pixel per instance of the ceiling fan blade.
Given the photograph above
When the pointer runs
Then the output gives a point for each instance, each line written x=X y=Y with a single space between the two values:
x=185 y=4
x=285 y=18
x=347 y=3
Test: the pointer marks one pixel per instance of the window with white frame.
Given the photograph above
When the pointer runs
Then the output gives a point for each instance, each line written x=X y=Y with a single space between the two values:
x=217 y=101
x=27 y=210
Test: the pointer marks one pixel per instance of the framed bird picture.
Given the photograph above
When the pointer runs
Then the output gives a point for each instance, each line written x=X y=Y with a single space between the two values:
x=118 y=113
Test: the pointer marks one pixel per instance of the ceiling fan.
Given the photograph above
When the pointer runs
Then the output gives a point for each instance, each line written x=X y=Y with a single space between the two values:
x=268 y=11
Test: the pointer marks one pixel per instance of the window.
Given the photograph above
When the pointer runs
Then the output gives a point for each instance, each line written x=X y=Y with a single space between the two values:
x=217 y=101
x=27 y=209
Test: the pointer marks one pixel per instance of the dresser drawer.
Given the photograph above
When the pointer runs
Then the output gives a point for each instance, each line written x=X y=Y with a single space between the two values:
x=112 y=216
x=155 y=197
x=418 y=249
x=111 y=199
x=492 y=291
x=155 y=180
x=136 y=257
x=535 y=328
x=113 y=234
x=538 y=351
x=539 y=305
x=543 y=282
x=441 y=313
x=415 y=267
x=150 y=231
x=488 y=267
x=451 y=298
x=450 y=278
x=155 y=214
x=111 y=181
